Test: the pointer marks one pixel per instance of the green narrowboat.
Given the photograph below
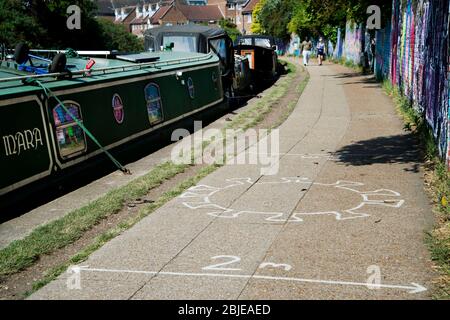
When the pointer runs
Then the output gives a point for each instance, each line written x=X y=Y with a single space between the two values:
x=111 y=104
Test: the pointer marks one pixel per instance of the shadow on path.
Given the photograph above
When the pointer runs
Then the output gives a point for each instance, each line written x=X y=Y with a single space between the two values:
x=390 y=149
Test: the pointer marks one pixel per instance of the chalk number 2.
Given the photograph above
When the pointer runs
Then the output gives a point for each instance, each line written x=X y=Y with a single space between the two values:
x=220 y=266
x=229 y=260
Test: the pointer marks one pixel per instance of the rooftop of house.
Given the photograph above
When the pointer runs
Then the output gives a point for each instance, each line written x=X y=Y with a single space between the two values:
x=201 y=13
x=159 y=14
x=107 y=7
x=192 y=13
x=249 y=6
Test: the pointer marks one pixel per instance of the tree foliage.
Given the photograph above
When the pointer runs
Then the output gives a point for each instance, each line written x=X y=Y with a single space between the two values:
x=117 y=37
x=43 y=24
x=280 y=18
x=256 y=27
x=274 y=17
x=230 y=28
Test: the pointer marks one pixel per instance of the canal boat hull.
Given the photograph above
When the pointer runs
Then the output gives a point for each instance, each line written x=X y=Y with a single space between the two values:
x=40 y=140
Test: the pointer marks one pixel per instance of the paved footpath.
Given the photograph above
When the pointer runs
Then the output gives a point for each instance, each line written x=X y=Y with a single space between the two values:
x=347 y=208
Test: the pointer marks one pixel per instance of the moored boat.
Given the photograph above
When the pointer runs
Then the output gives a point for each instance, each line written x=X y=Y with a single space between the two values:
x=235 y=70
x=51 y=122
x=261 y=52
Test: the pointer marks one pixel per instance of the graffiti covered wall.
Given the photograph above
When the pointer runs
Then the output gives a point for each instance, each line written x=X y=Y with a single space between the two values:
x=448 y=92
x=353 y=44
x=339 y=48
x=383 y=52
x=412 y=52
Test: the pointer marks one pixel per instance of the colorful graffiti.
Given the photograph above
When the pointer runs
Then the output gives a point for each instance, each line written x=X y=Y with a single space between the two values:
x=383 y=52
x=353 y=44
x=412 y=52
x=330 y=49
x=339 y=48
x=448 y=96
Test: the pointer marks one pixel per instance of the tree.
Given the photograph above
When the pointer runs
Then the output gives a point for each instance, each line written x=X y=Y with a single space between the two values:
x=256 y=25
x=230 y=28
x=302 y=19
x=275 y=16
x=16 y=25
x=116 y=37
x=52 y=17
x=281 y=18
x=43 y=24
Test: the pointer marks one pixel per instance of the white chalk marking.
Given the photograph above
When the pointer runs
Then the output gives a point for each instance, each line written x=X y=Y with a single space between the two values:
x=203 y=193
x=219 y=266
x=413 y=288
x=285 y=266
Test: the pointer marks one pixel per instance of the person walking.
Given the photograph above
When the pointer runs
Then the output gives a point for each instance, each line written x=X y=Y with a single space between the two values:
x=321 y=50
x=306 y=50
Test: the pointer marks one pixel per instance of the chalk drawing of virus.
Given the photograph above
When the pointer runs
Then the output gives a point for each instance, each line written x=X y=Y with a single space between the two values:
x=200 y=197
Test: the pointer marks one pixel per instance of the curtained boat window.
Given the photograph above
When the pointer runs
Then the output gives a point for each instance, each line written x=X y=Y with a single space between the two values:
x=69 y=135
x=154 y=103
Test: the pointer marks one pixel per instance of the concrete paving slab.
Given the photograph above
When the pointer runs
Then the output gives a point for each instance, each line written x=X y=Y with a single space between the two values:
x=90 y=289
x=224 y=248
x=324 y=250
x=361 y=211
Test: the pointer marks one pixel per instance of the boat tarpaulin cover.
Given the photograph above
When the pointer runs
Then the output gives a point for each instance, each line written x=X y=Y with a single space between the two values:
x=154 y=38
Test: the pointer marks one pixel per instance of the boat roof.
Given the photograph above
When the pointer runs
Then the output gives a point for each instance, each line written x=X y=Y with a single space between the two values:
x=154 y=37
x=273 y=40
x=258 y=36
x=191 y=29
x=104 y=70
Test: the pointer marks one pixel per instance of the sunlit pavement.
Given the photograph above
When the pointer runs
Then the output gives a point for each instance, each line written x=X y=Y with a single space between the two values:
x=343 y=218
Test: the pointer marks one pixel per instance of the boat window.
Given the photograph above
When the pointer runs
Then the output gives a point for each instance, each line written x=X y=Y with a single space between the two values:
x=150 y=44
x=69 y=135
x=154 y=103
x=263 y=42
x=182 y=44
x=220 y=47
x=245 y=41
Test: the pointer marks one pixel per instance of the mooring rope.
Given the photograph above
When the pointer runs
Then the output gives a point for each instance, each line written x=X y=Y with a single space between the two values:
x=50 y=94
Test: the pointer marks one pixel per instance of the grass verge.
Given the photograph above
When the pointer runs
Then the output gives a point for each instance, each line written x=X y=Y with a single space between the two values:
x=438 y=240
x=253 y=116
x=55 y=235
x=100 y=240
